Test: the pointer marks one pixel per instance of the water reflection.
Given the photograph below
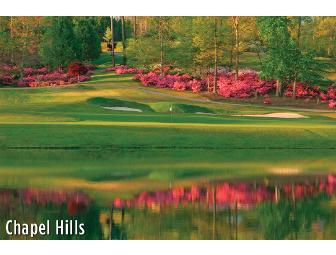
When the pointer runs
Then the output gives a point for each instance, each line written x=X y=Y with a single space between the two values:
x=226 y=194
x=301 y=209
x=37 y=206
x=277 y=208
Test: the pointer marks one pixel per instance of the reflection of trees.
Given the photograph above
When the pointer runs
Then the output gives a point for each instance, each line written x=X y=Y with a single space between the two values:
x=234 y=211
x=290 y=219
x=34 y=206
x=215 y=211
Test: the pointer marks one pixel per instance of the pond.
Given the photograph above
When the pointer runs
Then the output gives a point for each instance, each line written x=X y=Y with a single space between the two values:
x=170 y=194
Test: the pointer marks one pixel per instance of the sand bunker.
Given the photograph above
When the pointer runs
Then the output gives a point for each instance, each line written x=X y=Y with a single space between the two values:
x=205 y=113
x=281 y=115
x=121 y=108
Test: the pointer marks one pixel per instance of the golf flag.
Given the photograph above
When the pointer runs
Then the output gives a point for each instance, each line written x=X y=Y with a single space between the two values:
x=171 y=108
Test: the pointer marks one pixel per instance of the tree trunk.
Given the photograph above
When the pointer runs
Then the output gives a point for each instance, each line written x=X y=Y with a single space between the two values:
x=24 y=48
x=299 y=31
x=258 y=53
x=161 y=44
x=294 y=89
x=216 y=58
x=278 y=88
x=11 y=34
x=231 y=57
x=135 y=27
x=236 y=27
x=112 y=42
x=123 y=39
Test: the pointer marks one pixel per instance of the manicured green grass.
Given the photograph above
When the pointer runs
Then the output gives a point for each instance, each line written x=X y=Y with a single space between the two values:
x=74 y=116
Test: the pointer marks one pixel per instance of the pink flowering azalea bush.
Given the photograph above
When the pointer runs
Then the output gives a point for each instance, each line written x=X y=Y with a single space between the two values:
x=171 y=81
x=8 y=74
x=307 y=92
x=247 y=85
x=332 y=104
x=41 y=77
x=122 y=69
x=54 y=78
x=329 y=96
x=195 y=85
x=302 y=91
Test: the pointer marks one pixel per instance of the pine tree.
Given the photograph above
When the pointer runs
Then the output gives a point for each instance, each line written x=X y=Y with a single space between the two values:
x=59 y=45
x=87 y=36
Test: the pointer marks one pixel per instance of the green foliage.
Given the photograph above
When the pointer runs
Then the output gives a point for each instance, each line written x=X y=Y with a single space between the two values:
x=143 y=52
x=67 y=39
x=59 y=46
x=182 y=49
x=282 y=53
x=203 y=39
x=311 y=70
x=87 y=37
x=5 y=42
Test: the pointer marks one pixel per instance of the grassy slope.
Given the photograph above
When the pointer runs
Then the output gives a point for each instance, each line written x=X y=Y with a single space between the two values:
x=72 y=116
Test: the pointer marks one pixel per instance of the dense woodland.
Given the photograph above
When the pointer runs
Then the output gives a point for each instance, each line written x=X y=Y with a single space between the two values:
x=287 y=50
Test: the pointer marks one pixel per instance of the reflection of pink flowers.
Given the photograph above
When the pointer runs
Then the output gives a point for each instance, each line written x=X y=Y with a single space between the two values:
x=244 y=195
x=75 y=201
x=118 y=202
x=177 y=193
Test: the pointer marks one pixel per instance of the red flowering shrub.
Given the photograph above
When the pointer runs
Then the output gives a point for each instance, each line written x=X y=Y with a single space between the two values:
x=6 y=79
x=331 y=93
x=77 y=68
x=90 y=67
x=332 y=104
x=40 y=77
x=302 y=91
x=247 y=85
x=329 y=96
x=195 y=85
x=179 y=85
x=8 y=74
x=122 y=69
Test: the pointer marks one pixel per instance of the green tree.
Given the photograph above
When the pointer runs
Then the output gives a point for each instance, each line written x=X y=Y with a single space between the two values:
x=5 y=39
x=281 y=61
x=182 y=50
x=87 y=36
x=209 y=34
x=59 y=45
x=153 y=47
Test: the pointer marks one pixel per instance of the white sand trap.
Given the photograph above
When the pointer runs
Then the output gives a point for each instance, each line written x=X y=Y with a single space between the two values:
x=121 y=108
x=281 y=115
x=205 y=113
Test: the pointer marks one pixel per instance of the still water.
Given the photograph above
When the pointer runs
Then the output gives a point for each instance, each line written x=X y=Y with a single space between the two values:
x=172 y=194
